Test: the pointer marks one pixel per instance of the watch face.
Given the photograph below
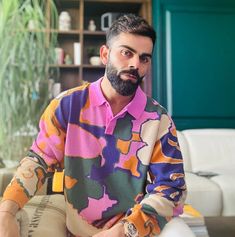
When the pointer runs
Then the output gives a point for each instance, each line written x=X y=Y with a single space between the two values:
x=132 y=231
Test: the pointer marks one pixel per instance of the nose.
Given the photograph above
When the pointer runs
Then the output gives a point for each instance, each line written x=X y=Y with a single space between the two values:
x=134 y=62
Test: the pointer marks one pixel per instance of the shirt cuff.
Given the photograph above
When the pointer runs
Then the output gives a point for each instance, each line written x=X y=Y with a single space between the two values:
x=145 y=225
x=15 y=192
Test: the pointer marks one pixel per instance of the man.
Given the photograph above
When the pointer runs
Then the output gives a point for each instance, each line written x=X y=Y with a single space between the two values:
x=108 y=136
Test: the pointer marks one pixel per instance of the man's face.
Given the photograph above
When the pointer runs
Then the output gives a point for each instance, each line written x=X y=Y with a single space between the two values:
x=128 y=61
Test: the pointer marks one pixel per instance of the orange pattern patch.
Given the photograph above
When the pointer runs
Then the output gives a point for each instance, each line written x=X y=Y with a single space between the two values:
x=136 y=137
x=145 y=224
x=70 y=182
x=19 y=195
x=132 y=165
x=123 y=146
x=159 y=157
x=175 y=176
x=161 y=188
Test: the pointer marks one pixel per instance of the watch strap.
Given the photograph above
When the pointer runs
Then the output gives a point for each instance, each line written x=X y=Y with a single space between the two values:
x=130 y=229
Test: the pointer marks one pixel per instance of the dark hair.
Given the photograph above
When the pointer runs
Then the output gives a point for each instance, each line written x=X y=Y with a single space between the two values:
x=130 y=23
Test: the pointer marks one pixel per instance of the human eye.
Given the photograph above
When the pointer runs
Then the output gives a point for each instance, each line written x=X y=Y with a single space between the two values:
x=145 y=59
x=126 y=53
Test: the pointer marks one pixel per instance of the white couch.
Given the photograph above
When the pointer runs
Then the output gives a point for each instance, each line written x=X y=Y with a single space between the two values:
x=209 y=162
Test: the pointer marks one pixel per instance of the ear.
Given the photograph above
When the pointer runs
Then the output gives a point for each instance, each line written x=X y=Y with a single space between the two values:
x=104 y=52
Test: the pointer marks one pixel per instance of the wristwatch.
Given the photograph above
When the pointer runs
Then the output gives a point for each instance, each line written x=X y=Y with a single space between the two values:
x=129 y=229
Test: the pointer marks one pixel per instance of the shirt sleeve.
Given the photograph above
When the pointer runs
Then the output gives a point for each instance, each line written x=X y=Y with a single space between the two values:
x=48 y=148
x=166 y=192
x=29 y=177
x=50 y=141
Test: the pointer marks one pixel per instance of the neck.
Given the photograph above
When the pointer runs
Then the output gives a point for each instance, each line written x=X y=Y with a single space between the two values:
x=116 y=101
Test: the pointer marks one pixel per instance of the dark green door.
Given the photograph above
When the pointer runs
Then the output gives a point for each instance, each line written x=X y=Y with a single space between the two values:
x=194 y=61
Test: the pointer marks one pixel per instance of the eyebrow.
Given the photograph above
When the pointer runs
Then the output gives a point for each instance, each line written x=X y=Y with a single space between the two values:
x=133 y=50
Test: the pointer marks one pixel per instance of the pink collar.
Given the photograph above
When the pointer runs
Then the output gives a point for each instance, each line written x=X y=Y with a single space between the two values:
x=135 y=107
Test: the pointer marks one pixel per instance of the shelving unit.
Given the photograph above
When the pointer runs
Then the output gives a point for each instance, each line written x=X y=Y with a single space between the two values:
x=81 y=12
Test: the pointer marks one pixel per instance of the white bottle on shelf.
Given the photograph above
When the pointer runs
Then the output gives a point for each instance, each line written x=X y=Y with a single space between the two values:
x=59 y=53
x=77 y=53
x=64 y=21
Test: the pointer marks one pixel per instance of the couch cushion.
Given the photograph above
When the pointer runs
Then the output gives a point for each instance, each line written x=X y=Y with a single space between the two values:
x=204 y=195
x=177 y=228
x=211 y=149
x=227 y=186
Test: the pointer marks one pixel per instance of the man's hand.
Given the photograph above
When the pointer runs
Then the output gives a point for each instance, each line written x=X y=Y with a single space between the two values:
x=116 y=231
x=8 y=225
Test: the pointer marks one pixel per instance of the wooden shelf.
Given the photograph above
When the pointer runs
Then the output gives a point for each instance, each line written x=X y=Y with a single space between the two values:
x=87 y=32
x=65 y=32
x=68 y=3
x=89 y=66
x=81 y=12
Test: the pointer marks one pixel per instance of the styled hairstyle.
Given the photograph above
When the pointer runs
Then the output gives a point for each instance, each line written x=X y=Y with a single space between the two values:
x=130 y=23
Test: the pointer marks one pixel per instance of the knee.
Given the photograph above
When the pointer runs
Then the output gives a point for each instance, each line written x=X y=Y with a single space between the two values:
x=176 y=228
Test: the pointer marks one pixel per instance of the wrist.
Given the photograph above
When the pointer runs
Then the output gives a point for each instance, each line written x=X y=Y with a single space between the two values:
x=9 y=207
x=6 y=212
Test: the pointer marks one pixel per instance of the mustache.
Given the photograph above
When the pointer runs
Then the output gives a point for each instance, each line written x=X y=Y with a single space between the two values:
x=133 y=72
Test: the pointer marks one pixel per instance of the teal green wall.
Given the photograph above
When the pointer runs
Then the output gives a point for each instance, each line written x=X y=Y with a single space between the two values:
x=194 y=61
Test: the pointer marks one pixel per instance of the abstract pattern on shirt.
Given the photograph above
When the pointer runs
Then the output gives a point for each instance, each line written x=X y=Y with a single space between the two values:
x=107 y=159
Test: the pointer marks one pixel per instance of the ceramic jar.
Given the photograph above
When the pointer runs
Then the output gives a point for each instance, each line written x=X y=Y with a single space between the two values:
x=91 y=26
x=64 y=21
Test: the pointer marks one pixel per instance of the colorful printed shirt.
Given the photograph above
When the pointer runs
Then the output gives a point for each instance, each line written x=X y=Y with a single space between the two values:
x=107 y=160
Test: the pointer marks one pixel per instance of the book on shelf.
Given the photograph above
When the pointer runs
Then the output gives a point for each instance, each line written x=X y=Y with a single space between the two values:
x=195 y=220
x=192 y=216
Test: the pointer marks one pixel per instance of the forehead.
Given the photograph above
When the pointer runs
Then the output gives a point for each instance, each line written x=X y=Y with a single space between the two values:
x=141 y=44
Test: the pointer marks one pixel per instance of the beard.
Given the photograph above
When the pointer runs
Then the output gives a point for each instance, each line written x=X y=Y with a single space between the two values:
x=123 y=87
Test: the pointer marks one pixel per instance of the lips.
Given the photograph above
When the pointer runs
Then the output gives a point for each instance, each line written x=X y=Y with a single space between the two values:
x=128 y=76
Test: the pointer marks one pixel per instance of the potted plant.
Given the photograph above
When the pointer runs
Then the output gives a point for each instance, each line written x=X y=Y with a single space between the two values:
x=94 y=55
x=25 y=56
